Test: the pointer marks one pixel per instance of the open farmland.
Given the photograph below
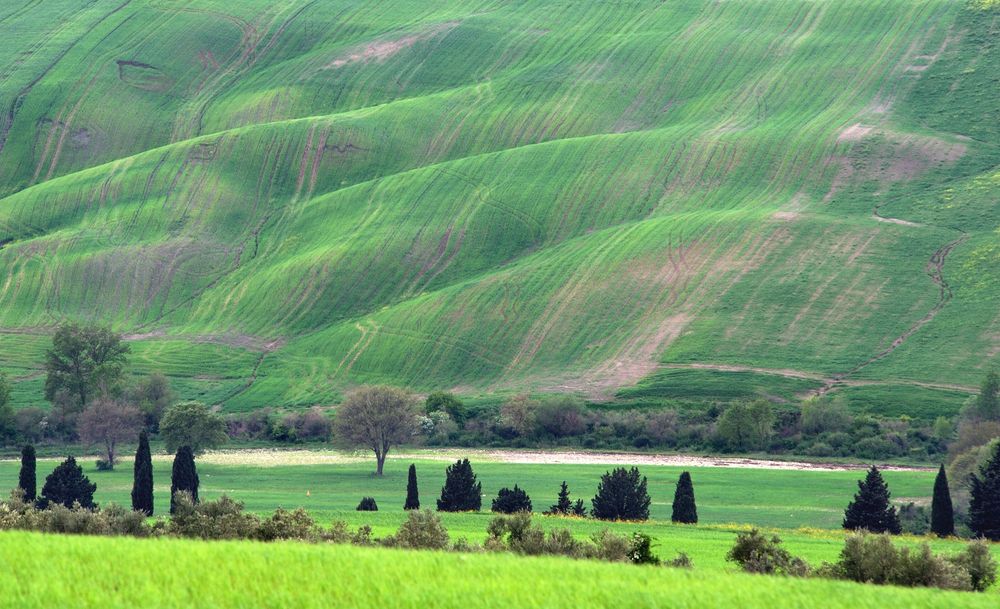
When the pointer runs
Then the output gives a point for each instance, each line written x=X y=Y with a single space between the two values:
x=277 y=200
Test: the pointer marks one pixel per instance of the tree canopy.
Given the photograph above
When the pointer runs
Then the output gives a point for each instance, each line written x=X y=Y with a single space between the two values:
x=377 y=418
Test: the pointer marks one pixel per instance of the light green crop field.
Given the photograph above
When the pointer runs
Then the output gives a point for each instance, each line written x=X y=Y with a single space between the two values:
x=39 y=571
x=276 y=200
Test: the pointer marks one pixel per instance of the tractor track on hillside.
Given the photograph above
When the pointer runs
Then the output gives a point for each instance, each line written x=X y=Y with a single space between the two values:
x=935 y=269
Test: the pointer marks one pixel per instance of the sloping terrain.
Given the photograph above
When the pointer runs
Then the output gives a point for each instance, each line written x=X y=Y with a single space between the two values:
x=277 y=200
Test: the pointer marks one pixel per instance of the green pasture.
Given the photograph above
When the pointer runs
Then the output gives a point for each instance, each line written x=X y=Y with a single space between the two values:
x=277 y=200
x=766 y=498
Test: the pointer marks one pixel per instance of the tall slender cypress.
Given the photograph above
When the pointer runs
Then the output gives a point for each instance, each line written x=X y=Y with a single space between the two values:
x=27 y=480
x=984 y=500
x=942 y=511
x=184 y=476
x=685 y=511
x=412 y=495
x=142 y=477
x=870 y=509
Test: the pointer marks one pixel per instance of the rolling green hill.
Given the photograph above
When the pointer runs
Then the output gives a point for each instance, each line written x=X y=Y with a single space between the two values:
x=276 y=200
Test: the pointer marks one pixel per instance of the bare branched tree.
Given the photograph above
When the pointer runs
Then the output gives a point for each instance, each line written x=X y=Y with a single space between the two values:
x=109 y=422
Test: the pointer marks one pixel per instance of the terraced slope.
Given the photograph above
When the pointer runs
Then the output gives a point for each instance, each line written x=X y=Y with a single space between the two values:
x=276 y=200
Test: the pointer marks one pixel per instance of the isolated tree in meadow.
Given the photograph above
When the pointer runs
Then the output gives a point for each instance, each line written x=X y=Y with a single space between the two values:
x=377 y=418
x=194 y=425
x=184 y=476
x=511 y=501
x=871 y=509
x=621 y=495
x=142 y=477
x=412 y=494
x=67 y=485
x=942 y=510
x=367 y=504
x=984 y=499
x=26 y=479
x=109 y=422
x=461 y=492
x=84 y=362
x=684 y=509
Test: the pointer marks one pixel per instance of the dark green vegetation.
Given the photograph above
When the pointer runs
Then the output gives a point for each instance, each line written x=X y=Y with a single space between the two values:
x=684 y=510
x=278 y=200
x=461 y=491
x=412 y=492
x=183 y=476
x=942 y=509
x=621 y=495
x=142 y=478
x=871 y=510
x=67 y=485
x=984 y=502
x=27 y=479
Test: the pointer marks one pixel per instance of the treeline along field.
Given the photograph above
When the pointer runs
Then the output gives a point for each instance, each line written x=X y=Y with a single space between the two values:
x=278 y=200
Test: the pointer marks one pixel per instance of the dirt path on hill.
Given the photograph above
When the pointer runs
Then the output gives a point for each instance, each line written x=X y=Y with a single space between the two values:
x=275 y=458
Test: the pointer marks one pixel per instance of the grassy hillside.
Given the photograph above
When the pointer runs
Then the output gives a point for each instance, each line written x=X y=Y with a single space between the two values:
x=42 y=571
x=277 y=200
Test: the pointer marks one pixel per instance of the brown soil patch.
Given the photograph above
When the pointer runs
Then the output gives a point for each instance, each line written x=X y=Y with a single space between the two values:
x=380 y=50
x=854 y=133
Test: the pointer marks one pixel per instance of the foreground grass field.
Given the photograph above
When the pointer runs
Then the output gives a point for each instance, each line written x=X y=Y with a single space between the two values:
x=276 y=200
x=38 y=571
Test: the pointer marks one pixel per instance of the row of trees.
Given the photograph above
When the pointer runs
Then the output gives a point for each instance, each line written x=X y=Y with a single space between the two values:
x=622 y=494
x=873 y=511
x=68 y=486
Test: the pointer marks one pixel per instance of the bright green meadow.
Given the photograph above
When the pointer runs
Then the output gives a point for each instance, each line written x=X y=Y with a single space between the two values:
x=277 y=200
x=237 y=575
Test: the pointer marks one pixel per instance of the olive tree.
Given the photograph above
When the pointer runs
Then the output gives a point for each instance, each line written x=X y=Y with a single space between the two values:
x=377 y=418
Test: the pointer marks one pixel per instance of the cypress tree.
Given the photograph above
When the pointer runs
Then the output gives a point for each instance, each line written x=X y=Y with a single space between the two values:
x=142 y=477
x=870 y=509
x=685 y=510
x=984 y=502
x=67 y=485
x=27 y=481
x=184 y=476
x=621 y=495
x=461 y=492
x=412 y=495
x=942 y=511
x=563 y=504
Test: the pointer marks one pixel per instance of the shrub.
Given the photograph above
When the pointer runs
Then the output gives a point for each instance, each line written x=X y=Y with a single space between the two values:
x=510 y=501
x=756 y=553
x=621 y=495
x=220 y=519
x=367 y=505
x=873 y=559
x=461 y=491
x=641 y=550
x=516 y=534
x=284 y=524
x=564 y=506
x=611 y=547
x=984 y=502
x=422 y=530
x=681 y=561
x=560 y=417
x=67 y=485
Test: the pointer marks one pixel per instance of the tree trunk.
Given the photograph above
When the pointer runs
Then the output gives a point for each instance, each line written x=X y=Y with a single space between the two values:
x=111 y=455
x=380 y=458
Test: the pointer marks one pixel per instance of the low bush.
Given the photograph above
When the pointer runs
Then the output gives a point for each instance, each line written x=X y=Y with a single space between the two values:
x=869 y=558
x=754 y=552
x=284 y=524
x=367 y=505
x=223 y=518
x=421 y=531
